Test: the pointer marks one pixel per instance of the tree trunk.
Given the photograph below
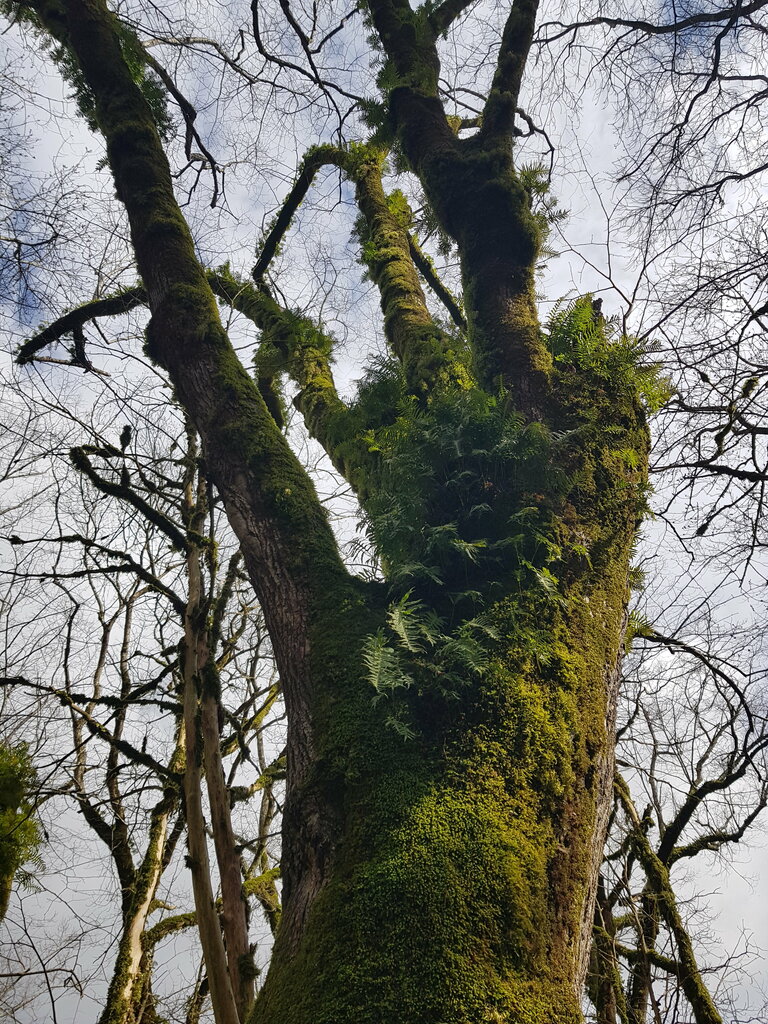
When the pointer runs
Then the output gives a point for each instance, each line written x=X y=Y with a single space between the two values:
x=223 y=998
x=461 y=882
x=234 y=915
x=131 y=976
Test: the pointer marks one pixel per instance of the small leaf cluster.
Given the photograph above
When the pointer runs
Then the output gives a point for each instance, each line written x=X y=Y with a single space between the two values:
x=19 y=832
x=637 y=625
x=413 y=650
x=577 y=334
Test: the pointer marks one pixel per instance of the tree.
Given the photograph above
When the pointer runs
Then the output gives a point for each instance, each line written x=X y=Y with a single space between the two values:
x=691 y=101
x=139 y=741
x=441 y=842
x=696 y=752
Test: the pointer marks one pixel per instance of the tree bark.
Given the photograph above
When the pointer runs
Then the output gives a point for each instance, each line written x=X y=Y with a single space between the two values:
x=234 y=917
x=131 y=975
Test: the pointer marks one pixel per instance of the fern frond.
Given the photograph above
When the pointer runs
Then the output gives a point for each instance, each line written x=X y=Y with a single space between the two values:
x=404 y=620
x=382 y=664
x=400 y=727
x=463 y=653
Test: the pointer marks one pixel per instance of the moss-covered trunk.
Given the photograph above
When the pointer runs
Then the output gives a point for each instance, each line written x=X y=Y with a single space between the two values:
x=461 y=883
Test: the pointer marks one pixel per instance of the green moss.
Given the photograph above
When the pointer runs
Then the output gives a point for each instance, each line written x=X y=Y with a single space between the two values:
x=424 y=348
x=579 y=337
x=440 y=903
x=458 y=883
x=264 y=889
x=19 y=833
x=484 y=204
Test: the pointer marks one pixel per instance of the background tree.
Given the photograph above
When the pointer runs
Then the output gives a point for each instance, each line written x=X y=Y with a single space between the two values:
x=694 y=744
x=124 y=596
x=19 y=834
x=690 y=95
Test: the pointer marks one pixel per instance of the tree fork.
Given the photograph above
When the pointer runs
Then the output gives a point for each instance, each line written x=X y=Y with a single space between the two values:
x=475 y=193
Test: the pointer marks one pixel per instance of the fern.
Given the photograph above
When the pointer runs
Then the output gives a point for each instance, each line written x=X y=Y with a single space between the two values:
x=400 y=726
x=637 y=625
x=403 y=619
x=448 y=478
x=575 y=333
x=383 y=665
x=415 y=647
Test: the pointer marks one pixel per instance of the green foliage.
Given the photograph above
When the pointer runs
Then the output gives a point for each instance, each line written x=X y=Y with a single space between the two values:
x=430 y=227
x=382 y=664
x=457 y=517
x=577 y=333
x=413 y=651
x=636 y=578
x=637 y=625
x=545 y=207
x=19 y=833
x=448 y=512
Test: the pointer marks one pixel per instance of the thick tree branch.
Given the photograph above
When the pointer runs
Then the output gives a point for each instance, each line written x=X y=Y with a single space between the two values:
x=409 y=42
x=424 y=350
x=415 y=339
x=318 y=157
x=303 y=350
x=702 y=1005
x=502 y=103
x=288 y=546
x=111 y=305
x=474 y=191
x=636 y=956
x=168 y=926
x=127 y=979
